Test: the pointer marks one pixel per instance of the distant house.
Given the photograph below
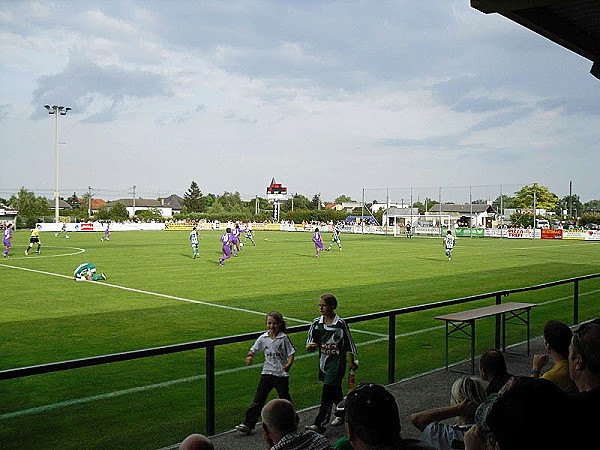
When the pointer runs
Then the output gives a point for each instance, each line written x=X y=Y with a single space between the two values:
x=62 y=205
x=344 y=206
x=476 y=215
x=95 y=206
x=174 y=201
x=142 y=204
x=8 y=215
x=399 y=216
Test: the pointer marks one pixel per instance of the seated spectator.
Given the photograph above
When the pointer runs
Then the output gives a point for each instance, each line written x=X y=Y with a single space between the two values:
x=280 y=428
x=196 y=442
x=527 y=413
x=373 y=421
x=492 y=368
x=557 y=338
x=466 y=395
x=584 y=367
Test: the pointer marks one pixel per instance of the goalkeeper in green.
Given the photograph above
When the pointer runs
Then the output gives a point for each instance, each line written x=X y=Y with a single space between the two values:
x=87 y=272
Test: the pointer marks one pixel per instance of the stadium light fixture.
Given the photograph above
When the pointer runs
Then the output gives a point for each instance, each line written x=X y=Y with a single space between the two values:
x=57 y=111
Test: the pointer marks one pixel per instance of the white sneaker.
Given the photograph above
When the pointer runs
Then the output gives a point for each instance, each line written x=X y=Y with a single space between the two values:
x=316 y=428
x=337 y=422
x=244 y=429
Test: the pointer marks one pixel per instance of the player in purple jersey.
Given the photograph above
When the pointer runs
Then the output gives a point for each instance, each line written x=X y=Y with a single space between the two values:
x=318 y=240
x=235 y=239
x=8 y=234
x=106 y=235
x=226 y=241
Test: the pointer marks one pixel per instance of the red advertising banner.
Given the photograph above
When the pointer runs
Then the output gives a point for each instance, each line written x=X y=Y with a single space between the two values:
x=551 y=234
x=87 y=226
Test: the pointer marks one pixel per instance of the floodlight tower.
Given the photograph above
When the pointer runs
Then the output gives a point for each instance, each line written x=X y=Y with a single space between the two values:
x=57 y=111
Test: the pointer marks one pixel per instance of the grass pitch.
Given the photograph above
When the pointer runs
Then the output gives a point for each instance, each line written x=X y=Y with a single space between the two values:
x=156 y=294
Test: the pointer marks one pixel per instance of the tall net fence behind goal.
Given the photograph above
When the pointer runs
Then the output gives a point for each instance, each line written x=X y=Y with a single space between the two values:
x=421 y=225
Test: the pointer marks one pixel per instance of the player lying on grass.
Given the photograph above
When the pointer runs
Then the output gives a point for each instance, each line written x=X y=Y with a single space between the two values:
x=87 y=272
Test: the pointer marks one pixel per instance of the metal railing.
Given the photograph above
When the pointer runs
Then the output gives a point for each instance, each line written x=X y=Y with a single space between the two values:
x=210 y=344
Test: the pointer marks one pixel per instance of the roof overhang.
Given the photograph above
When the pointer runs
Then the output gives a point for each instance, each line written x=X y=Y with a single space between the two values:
x=574 y=25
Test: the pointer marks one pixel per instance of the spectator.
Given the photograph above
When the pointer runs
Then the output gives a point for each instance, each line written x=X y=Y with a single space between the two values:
x=373 y=421
x=584 y=367
x=279 y=356
x=280 y=428
x=466 y=395
x=196 y=442
x=527 y=413
x=557 y=338
x=492 y=368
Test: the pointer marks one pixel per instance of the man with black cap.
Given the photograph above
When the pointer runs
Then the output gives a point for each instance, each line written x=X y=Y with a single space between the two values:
x=373 y=421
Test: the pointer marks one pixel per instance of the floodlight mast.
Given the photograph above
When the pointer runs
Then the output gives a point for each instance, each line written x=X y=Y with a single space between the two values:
x=57 y=111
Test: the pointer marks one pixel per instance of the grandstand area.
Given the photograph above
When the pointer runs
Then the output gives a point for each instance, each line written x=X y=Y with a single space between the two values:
x=156 y=294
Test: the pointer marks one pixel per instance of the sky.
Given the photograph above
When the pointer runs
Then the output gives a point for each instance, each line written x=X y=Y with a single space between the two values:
x=372 y=100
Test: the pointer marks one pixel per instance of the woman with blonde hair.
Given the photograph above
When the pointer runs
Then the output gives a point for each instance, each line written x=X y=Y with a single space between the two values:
x=466 y=394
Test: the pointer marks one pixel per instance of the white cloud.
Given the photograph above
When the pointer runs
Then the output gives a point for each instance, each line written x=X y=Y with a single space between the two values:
x=328 y=97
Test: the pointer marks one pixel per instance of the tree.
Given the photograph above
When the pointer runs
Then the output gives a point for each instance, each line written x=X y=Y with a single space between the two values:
x=571 y=204
x=521 y=220
x=502 y=202
x=86 y=201
x=544 y=199
x=103 y=213
x=315 y=203
x=192 y=199
x=30 y=207
x=299 y=201
x=342 y=199
x=149 y=214
x=230 y=201
x=73 y=200
x=118 y=212
x=592 y=206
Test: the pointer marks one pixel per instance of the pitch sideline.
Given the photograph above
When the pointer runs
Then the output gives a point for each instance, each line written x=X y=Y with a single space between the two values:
x=77 y=401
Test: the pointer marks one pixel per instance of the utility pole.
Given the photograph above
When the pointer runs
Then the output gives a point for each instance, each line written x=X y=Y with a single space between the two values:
x=133 y=207
x=89 y=201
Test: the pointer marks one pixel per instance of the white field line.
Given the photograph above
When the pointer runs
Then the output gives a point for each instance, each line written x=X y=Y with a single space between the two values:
x=173 y=297
x=164 y=384
x=42 y=255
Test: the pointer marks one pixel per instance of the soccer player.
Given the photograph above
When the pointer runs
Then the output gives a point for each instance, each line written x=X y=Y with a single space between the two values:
x=408 y=230
x=87 y=272
x=7 y=235
x=248 y=235
x=194 y=240
x=226 y=246
x=63 y=230
x=449 y=244
x=235 y=239
x=34 y=239
x=336 y=238
x=318 y=240
x=106 y=234
x=331 y=336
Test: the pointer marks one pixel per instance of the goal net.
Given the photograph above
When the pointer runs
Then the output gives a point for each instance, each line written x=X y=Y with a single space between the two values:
x=421 y=225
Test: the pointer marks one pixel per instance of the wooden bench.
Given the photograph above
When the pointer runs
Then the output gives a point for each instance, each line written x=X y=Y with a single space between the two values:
x=464 y=322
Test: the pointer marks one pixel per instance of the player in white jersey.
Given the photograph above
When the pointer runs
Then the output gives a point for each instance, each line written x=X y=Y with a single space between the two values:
x=336 y=239
x=194 y=240
x=62 y=230
x=449 y=244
